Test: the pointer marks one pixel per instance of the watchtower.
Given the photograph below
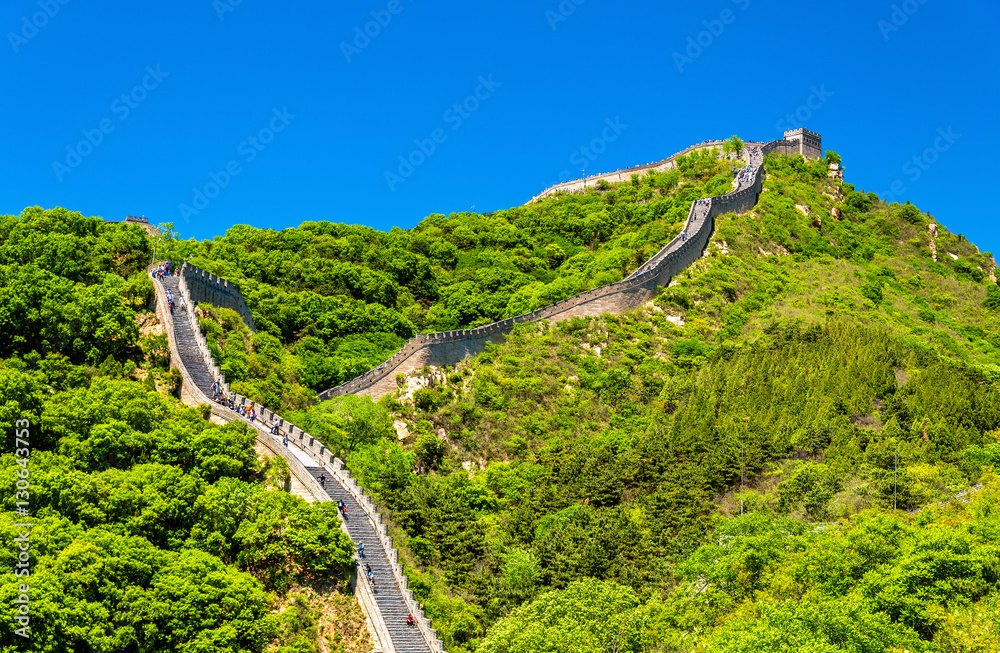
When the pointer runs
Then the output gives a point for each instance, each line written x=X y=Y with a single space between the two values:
x=809 y=144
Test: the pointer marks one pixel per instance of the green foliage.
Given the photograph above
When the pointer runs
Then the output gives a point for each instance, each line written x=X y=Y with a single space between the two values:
x=992 y=301
x=346 y=423
x=911 y=214
x=152 y=531
x=284 y=539
x=812 y=486
x=587 y=616
x=94 y=589
x=568 y=489
x=985 y=456
x=119 y=505
x=872 y=290
x=333 y=301
x=383 y=468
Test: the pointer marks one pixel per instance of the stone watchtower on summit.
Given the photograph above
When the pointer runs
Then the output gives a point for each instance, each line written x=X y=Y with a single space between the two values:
x=809 y=144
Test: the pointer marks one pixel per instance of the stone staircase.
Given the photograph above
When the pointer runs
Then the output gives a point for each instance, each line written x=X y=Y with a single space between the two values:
x=388 y=596
x=405 y=639
x=187 y=346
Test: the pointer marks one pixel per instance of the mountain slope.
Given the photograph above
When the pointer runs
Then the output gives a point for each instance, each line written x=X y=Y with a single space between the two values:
x=819 y=337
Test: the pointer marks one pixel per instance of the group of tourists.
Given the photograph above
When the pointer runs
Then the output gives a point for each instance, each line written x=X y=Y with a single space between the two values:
x=249 y=412
x=170 y=301
x=745 y=174
x=164 y=270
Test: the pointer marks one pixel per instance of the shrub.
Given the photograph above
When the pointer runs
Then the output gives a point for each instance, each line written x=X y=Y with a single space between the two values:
x=992 y=301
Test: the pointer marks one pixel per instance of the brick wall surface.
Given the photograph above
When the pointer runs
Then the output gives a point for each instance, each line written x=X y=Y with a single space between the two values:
x=450 y=347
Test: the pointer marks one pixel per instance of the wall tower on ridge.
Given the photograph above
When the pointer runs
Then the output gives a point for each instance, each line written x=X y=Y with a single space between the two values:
x=808 y=144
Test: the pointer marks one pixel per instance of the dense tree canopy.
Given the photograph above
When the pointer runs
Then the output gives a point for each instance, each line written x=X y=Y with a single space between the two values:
x=154 y=529
x=577 y=487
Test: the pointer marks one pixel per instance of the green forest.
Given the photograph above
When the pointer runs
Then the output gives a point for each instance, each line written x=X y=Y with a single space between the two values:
x=153 y=528
x=762 y=459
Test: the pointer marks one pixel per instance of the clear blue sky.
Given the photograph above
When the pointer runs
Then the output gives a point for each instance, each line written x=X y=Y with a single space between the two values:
x=555 y=74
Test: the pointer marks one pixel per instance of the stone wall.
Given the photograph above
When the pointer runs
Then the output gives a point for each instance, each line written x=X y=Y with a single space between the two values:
x=447 y=348
x=450 y=347
x=335 y=468
x=807 y=143
x=208 y=288
x=577 y=185
x=191 y=394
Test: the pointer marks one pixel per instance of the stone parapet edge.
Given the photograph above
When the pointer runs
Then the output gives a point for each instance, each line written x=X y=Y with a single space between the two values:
x=687 y=252
x=191 y=394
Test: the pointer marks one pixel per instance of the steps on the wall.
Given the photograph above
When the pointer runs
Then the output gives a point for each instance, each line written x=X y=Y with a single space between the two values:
x=388 y=595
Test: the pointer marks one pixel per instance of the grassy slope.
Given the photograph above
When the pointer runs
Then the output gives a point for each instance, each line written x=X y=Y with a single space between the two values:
x=819 y=345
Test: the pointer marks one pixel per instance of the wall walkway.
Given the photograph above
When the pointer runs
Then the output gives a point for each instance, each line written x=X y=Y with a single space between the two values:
x=387 y=606
x=450 y=347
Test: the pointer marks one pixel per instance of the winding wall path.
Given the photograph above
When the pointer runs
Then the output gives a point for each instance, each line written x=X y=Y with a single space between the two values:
x=388 y=604
x=386 y=607
x=450 y=347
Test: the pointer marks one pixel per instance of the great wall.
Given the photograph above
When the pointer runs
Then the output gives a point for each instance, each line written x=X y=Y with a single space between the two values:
x=450 y=347
x=386 y=607
x=308 y=459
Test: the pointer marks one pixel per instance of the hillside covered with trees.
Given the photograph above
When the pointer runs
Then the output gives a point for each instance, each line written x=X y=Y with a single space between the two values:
x=331 y=301
x=153 y=528
x=818 y=350
x=735 y=466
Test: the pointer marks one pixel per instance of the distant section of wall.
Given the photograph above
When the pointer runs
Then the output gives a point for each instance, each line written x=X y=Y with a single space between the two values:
x=450 y=347
x=208 y=288
x=578 y=185
x=139 y=222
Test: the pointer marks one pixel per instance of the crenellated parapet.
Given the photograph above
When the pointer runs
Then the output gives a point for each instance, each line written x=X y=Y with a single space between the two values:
x=208 y=288
x=450 y=347
x=579 y=185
